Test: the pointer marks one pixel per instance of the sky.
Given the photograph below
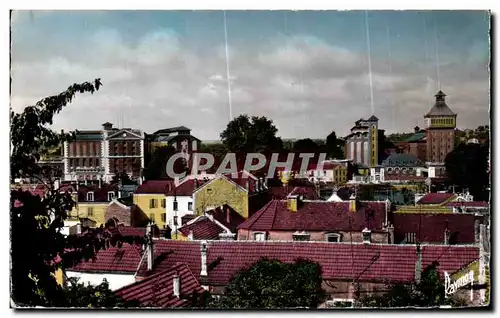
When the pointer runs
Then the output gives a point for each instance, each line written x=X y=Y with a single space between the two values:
x=308 y=71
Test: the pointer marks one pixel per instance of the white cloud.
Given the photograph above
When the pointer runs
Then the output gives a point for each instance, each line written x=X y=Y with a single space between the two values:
x=306 y=86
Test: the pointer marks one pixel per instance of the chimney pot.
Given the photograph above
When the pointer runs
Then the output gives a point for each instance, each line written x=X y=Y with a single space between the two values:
x=177 y=285
x=150 y=250
x=418 y=265
x=446 y=236
x=203 y=249
x=367 y=236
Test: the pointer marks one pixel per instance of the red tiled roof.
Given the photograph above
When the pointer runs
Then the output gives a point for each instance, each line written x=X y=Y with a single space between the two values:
x=430 y=228
x=100 y=194
x=157 y=290
x=114 y=259
x=281 y=192
x=155 y=187
x=186 y=188
x=317 y=216
x=186 y=218
x=470 y=204
x=203 y=229
x=231 y=221
x=326 y=166
x=338 y=261
x=435 y=198
x=131 y=230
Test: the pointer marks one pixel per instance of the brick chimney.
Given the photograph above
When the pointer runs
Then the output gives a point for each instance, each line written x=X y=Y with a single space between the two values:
x=367 y=236
x=446 y=236
x=353 y=203
x=418 y=264
x=390 y=230
x=177 y=285
x=293 y=203
x=203 y=249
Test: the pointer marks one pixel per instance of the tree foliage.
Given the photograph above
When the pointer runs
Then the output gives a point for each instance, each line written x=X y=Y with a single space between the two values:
x=156 y=168
x=38 y=248
x=254 y=134
x=273 y=284
x=79 y=295
x=429 y=292
x=467 y=167
x=334 y=146
x=306 y=145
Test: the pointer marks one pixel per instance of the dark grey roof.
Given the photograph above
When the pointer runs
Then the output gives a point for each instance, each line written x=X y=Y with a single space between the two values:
x=171 y=130
x=401 y=160
x=373 y=118
x=440 y=108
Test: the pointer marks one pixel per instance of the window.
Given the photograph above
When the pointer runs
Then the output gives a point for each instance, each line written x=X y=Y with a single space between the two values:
x=175 y=220
x=332 y=237
x=259 y=236
x=153 y=204
x=164 y=217
x=164 y=203
x=111 y=195
x=301 y=236
x=176 y=206
x=190 y=206
x=90 y=211
x=209 y=190
x=90 y=196
x=152 y=217
x=410 y=238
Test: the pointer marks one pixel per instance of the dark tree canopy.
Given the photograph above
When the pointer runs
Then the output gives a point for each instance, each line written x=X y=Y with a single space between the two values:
x=467 y=167
x=37 y=246
x=306 y=146
x=251 y=135
x=334 y=146
x=273 y=284
x=157 y=166
x=429 y=292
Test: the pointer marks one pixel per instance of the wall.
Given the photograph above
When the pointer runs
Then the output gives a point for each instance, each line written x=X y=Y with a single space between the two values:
x=182 y=209
x=219 y=192
x=142 y=202
x=99 y=211
x=315 y=236
x=115 y=281
x=123 y=214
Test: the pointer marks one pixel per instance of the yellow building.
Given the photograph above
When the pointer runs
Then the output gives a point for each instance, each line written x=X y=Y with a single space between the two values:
x=340 y=174
x=223 y=190
x=92 y=202
x=150 y=198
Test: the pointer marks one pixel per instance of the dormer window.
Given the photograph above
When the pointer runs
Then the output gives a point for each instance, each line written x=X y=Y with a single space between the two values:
x=332 y=237
x=111 y=195
x=90 y=196
x=301 y=236
x=259 y=236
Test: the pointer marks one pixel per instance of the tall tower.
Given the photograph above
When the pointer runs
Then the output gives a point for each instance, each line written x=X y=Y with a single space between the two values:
x=440 y=134
x=373 y=141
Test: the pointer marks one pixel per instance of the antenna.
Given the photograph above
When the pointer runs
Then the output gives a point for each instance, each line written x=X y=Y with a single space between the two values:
x=368 y=44
x=437 y=51
x=390 y=75
x=227 y=70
